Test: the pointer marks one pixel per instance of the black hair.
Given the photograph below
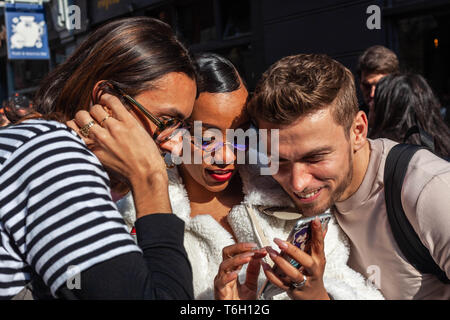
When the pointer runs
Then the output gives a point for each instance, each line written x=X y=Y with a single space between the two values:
x=405 y=100
x=216 y=74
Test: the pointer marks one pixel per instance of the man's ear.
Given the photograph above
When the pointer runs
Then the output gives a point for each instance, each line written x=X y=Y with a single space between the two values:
x=358 y=131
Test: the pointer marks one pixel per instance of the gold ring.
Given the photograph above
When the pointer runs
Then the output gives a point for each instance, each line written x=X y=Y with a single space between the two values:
x=106 y=118
x=84 y=130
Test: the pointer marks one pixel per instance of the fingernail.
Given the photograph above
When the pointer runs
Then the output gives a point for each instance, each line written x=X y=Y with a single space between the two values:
x=248 y=254
x=316 y=222
x=265 y=265
x=252 y=246
x=272 y=253
x=282 y=244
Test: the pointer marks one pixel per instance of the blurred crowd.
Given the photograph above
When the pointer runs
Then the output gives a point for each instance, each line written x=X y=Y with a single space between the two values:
x=401 y=106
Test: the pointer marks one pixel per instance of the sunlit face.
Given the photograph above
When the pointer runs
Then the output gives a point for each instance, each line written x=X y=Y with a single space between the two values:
x=315 y=161
x=368 y=85
x=173 y=96
x=219 y=111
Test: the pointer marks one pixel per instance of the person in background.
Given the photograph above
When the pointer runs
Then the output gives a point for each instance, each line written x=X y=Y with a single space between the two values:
x=58 y=221
x=404 y=102
x=375 y=63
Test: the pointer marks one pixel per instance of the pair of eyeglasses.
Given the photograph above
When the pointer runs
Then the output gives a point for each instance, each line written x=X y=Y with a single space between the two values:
x=165 y=126
x=215 y=145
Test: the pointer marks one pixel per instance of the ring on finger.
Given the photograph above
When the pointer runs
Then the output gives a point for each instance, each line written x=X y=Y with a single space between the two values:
x=84 y=130
x=106 y=118
x=299 y=285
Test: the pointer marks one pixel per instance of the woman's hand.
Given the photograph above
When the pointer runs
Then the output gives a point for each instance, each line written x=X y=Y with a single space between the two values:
x=124 y=147
x=226 y=282
x=313 y=267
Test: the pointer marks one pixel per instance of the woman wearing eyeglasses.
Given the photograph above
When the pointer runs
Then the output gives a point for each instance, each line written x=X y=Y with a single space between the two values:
x=61 y=234
x=202 y=193
x=222 y=238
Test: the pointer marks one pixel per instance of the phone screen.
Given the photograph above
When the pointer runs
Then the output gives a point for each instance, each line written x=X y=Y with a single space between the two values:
x=300 y=236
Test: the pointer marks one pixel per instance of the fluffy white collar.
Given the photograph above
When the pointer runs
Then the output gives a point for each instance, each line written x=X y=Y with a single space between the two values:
x=205 y=237
x=258 y=190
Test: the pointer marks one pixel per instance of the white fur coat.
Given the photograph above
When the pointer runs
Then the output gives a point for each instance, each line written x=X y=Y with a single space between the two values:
x=205 y=238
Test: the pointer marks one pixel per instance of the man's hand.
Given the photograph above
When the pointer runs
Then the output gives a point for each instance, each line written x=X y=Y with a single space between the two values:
x=313 y=267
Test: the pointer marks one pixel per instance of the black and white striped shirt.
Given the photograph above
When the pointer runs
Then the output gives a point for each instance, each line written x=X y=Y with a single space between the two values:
x=57 y=218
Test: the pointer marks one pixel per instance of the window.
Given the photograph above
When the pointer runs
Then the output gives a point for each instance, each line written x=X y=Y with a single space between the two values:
x=424 y=47
x=196 y=23
x=235 y=17
x=29 y=73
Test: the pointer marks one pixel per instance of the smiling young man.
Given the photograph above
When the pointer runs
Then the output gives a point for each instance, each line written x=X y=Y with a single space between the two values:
x=325 y=159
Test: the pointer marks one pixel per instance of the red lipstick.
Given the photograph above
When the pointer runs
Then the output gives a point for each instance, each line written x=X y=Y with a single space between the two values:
x=220 y=175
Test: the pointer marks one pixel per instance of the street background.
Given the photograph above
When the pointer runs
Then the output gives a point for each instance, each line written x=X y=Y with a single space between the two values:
x=255 y=33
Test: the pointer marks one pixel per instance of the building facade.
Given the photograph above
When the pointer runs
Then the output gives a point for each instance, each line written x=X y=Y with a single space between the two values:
x=255 y=33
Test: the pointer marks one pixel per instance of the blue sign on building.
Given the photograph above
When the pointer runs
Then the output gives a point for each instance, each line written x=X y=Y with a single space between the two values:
x=26 y=32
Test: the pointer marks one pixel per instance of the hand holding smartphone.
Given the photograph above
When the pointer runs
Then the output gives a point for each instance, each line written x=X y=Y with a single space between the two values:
x=299 y=236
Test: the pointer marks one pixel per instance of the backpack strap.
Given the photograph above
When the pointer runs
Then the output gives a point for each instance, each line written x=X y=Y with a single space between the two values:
x=425 y=138
x=408 y=241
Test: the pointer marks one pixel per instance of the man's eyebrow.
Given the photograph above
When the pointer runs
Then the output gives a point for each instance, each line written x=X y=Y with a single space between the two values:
x=320 y=150
x=312 y=153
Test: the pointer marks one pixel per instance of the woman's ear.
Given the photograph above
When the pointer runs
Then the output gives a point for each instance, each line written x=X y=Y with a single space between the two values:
x=97 y=92
x=358 y=131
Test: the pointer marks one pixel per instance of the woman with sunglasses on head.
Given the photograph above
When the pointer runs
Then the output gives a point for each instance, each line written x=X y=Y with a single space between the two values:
x=62 y=235
x=222 y=238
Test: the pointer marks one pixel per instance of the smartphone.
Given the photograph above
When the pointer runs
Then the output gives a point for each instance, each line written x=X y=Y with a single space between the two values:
x=299 y=236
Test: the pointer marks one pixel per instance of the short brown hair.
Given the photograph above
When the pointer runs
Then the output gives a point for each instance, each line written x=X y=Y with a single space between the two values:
x=303 y=84
x=378 y=59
